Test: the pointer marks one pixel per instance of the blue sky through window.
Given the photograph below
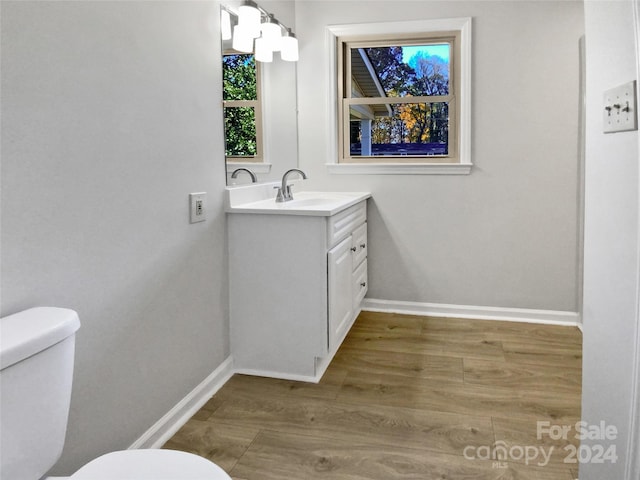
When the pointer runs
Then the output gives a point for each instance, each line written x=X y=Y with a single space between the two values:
x=441 y=51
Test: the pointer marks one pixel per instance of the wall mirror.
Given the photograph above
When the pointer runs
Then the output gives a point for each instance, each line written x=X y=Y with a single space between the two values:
x=259 y=99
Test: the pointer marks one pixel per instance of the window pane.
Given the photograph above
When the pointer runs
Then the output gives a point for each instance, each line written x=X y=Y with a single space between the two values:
x=239 y=77
x=240 y=131
x=399 y=71
x=412 y=129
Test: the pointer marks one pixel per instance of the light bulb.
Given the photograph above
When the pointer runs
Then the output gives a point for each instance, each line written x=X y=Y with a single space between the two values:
x=289 y=47
x=263 y=51
x=272 y=33
x=242 y=40
x=249 y=17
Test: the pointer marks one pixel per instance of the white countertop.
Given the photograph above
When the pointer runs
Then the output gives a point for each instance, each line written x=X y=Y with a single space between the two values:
x=303 y=203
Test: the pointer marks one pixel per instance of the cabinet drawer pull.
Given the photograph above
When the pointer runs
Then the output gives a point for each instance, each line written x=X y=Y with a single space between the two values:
x=363 y=245
x=363 y=284
x=353 y=249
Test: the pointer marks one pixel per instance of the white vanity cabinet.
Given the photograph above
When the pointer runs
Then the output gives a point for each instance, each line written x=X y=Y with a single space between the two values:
x=296 y=284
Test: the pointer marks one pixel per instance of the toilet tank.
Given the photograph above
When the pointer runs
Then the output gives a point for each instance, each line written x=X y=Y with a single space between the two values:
x=36 y=372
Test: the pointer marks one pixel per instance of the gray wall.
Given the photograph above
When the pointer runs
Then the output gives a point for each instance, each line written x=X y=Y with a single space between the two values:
x=506 y=235
x=611 y=235
x=110 y=117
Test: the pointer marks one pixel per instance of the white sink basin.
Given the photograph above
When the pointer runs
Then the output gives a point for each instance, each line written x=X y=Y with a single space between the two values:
x=303 y=203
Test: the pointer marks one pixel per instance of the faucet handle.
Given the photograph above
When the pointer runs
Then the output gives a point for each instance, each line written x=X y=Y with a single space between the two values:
x=279 y=195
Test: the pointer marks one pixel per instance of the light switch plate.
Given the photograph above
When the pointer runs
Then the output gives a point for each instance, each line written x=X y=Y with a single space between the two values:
x=620 y=111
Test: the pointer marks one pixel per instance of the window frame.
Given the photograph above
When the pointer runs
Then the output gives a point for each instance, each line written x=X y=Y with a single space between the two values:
x=347 y=44
x=256 y=104
x=423 y=31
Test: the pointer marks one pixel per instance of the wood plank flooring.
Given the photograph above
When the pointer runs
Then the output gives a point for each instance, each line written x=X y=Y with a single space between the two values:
x=406 y=397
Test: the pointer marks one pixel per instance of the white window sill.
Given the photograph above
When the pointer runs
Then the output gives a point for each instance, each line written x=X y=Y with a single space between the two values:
x=400 y=168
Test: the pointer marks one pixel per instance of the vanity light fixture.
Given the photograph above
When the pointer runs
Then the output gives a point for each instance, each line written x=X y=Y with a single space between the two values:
x=254 y=22
x=289 y=47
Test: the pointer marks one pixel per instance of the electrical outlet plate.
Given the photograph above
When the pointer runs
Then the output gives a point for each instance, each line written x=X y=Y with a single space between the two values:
x=197 y=210
x=620 y=109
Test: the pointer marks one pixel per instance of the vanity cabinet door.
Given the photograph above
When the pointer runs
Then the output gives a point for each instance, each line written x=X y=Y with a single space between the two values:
x=340 y=281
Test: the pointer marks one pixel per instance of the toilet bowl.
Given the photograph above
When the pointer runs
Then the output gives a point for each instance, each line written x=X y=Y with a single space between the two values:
x=36 y=370
x=150 y=465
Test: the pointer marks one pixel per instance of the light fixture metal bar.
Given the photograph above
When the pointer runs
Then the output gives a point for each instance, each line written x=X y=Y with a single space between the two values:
x=263 y=12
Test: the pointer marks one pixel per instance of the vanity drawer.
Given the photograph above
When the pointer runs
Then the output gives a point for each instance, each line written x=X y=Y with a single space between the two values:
x=359 y=244
x=342 y=224
x=360 y=284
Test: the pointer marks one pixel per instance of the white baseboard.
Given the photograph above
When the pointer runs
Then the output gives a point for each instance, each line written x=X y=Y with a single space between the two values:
x=170 y=423
x=551 y=317
x=273 y=374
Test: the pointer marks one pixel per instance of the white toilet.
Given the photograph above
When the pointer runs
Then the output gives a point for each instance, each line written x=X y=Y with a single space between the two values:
x=36 y=372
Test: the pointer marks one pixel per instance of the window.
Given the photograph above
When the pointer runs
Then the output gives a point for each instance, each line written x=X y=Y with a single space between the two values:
x=398 y=100
x=242 y=108
x=403 y=99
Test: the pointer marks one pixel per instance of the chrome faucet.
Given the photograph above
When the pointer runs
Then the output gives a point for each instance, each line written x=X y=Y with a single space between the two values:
x=284 y=191
x=235 y=173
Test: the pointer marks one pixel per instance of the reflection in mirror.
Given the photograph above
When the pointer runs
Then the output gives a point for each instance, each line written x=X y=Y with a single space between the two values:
x=259 y=99
x=242 y=108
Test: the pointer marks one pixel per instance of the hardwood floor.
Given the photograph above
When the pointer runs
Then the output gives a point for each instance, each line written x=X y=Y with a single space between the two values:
x=406 y=397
